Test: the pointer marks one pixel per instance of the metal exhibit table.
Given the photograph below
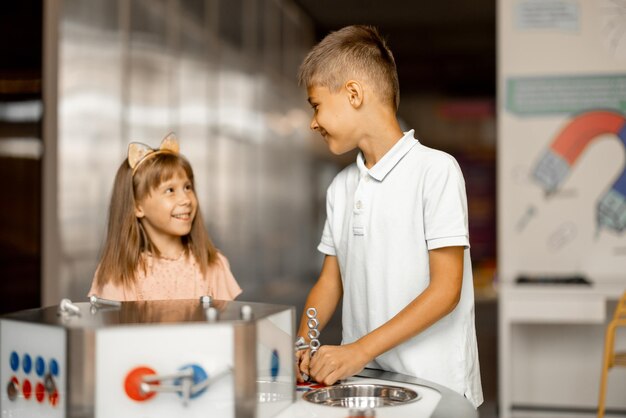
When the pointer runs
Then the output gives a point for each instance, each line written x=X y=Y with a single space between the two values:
x=185 y=358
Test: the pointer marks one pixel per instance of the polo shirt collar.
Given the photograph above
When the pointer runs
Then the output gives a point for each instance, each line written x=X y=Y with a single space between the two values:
x=390 y=159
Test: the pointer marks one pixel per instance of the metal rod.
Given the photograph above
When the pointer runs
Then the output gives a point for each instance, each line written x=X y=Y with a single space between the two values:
x=98 y=301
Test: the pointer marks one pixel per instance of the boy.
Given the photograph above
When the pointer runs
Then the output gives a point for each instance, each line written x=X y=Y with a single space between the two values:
x=396 y=237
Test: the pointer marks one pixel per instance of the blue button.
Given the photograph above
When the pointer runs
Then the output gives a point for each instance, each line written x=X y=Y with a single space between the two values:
x=40 y=366
x=27 y=363
x=54 y=367
x=15 y=361
x=199 y=376
x=275 y=366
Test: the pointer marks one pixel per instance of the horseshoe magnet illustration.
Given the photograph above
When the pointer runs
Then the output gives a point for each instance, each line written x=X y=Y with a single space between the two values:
x=558 y=160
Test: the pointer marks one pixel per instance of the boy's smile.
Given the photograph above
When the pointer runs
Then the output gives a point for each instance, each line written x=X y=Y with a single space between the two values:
x=332 y=118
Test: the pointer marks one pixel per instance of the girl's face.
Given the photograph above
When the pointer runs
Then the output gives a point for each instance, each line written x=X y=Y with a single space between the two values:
x=168 y=211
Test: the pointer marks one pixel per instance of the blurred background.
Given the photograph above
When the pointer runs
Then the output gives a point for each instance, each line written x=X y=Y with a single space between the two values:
x=79 y=79
x=93 y=75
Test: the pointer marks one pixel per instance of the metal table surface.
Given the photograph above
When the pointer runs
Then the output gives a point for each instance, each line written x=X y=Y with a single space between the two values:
x=437 y=401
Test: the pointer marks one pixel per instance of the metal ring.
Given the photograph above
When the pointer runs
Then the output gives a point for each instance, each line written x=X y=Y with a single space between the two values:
x=315 y=344
x=312 y=323
x=311 y=312
x=313 y=333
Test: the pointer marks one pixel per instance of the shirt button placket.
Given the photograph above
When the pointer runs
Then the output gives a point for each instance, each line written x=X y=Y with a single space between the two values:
x=358 y=228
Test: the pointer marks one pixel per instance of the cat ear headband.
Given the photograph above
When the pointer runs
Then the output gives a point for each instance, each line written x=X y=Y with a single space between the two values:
x=138 y=152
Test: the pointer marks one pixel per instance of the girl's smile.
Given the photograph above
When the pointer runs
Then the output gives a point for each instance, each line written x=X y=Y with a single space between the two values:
x=183 y=216
x=167 y=213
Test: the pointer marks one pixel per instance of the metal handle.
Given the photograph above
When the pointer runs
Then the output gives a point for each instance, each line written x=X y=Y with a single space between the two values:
x=186 y=388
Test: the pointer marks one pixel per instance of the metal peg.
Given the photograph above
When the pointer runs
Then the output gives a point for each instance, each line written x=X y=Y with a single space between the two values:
x=206 y=301
x=246 y=312
x=212 y=314
x=97 y=301
x=49 y=384
x=66 y=307
x=13 y=390
x=301 y=344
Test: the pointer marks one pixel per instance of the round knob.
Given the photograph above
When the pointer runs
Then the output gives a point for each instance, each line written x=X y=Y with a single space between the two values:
x=246 y=312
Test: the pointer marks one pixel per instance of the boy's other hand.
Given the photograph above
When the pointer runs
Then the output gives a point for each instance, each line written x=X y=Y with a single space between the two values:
x=335 y=362
x=302 y=364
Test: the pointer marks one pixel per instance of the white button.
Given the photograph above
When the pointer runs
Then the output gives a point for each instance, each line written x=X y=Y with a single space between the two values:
x=359 y=204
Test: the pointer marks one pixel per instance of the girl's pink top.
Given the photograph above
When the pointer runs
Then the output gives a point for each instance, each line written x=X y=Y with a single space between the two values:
x=181 y=278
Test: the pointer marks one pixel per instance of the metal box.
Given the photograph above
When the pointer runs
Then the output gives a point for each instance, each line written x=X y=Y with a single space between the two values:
x=150 y=359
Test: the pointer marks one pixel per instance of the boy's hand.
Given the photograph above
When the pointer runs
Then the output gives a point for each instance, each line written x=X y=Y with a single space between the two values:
x=335 y=362
x=303 y=358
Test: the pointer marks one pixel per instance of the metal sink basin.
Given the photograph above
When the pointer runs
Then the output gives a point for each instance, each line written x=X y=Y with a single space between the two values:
x=361 y=396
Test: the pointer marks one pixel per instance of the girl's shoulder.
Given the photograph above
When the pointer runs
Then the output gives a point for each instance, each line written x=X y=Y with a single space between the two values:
x=221 y=259
x=111 y=291
x=219 y=264
x=222 y=282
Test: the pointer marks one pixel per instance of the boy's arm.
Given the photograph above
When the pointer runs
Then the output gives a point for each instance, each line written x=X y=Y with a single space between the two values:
x=332 y=363
x=324 y=296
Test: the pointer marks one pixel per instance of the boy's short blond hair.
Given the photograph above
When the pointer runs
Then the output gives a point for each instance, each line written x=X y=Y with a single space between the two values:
x=356 y=51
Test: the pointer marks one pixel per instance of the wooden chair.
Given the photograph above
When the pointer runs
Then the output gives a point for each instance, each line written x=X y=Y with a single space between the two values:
x=611 y=357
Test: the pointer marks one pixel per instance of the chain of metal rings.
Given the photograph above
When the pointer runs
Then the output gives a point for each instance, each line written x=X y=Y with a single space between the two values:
x=313 y=333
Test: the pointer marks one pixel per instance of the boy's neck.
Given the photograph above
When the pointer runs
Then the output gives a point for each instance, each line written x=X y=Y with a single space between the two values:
x=379 y=138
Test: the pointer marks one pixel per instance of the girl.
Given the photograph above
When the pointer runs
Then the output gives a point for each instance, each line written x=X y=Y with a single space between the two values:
x=156 y=246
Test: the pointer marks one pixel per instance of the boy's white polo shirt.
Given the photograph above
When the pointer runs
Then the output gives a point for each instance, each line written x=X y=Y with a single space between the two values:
x=380 y=224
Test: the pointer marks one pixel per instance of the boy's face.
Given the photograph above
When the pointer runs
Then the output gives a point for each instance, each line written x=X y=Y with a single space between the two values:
x=333 y=118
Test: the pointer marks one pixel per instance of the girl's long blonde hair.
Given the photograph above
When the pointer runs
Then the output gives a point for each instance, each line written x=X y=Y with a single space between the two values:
x=126 y=239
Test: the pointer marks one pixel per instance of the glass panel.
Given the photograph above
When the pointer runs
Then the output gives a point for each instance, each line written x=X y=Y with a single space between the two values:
x=159 y=66
x=89 y=142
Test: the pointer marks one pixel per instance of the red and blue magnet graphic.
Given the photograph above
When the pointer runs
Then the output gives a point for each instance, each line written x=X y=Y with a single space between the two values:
x=556 y=163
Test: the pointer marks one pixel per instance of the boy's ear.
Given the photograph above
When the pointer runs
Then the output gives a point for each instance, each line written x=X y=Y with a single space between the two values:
x=355 y=93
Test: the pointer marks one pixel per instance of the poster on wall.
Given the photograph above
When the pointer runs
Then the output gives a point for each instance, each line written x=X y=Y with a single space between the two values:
x=562 y=139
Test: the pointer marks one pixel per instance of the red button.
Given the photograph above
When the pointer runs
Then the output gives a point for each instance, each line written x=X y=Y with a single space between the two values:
x=132 y=384
x=40 y=392
x=54 y=398
x=27 y=389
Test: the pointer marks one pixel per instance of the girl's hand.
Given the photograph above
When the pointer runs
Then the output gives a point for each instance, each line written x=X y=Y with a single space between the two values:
x=335 y=362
